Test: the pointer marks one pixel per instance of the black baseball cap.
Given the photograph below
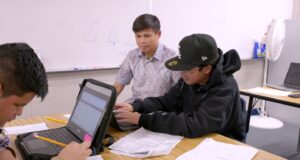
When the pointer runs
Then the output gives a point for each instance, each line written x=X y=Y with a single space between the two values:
x=195 y=50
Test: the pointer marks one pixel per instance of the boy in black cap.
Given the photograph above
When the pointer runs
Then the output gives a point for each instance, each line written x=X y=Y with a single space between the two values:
x=206 y=99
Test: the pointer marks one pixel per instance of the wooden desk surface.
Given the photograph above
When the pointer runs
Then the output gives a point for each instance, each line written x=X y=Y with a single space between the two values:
x=279 y=99
x=185 y=145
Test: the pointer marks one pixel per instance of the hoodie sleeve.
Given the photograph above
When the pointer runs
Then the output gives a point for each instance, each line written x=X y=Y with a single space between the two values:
x=212 y=115
x=168 y=102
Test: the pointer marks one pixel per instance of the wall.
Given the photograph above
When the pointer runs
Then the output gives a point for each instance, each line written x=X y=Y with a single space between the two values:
x=82 y=31
x=233 y=23
x=296 y=9
x=97 y=33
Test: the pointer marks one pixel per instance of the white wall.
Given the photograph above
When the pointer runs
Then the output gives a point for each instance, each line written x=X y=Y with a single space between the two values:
x=296 y=9
x=63 y=87
x=80 y=30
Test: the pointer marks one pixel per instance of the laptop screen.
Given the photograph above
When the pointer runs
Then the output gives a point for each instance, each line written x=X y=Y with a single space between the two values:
x=89 y=110
x=293 y=76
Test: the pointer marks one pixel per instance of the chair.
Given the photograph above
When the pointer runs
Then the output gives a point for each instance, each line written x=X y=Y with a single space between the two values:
x=247 y=112
x=243 y=105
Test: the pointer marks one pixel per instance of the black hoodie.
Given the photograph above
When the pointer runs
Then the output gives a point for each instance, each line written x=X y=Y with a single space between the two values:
x=193 y=111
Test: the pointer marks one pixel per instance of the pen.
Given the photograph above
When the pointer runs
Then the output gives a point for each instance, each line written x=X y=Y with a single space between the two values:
x=49 y=140
x=56 y=120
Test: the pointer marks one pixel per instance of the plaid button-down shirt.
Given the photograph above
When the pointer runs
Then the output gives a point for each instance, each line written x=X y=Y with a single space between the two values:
x=150 y=76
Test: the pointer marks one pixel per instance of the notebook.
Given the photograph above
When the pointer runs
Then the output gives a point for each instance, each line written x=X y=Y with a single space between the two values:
x=89 y=121
x=292 y=79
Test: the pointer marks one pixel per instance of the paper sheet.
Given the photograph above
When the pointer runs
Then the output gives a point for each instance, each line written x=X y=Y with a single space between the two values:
x=210 y=149
x=97 y=157
x=269 y=91
x=144 y=143
x=26 y=128
x=67 y=116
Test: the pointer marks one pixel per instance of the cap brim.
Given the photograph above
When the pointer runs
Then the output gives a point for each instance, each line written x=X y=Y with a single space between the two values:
x=176 y=64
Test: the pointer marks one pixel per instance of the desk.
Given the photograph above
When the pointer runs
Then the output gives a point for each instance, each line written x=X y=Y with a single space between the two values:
x=295 y=102
x=183 y=146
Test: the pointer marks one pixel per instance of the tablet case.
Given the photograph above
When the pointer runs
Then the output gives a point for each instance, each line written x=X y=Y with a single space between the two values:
x=97 y=146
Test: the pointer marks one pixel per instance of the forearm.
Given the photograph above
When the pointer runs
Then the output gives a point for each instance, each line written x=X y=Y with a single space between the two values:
x=7 y=154
x=168 y=102
x=153 y=104
x=119 y=88
x=184 y=124
x=164 y=122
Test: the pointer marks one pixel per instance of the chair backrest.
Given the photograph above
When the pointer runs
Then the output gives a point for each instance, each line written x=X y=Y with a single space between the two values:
x=243 y=105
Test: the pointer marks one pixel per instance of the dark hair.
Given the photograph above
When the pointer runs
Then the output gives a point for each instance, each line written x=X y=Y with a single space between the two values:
x=145 y=21
x=21 y=71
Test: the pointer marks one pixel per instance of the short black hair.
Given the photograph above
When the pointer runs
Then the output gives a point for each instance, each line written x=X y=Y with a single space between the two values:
x=145 y=21
x=21 y=71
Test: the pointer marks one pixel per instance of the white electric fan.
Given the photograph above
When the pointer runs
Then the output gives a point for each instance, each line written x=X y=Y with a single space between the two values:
x=274 y=43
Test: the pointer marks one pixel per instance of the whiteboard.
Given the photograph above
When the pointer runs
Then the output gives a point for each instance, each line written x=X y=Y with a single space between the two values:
x=93 y=34
x=73 y=34
x=233 y=23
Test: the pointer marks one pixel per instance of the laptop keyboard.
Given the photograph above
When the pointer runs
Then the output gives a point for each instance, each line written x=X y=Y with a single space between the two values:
x=60 y=135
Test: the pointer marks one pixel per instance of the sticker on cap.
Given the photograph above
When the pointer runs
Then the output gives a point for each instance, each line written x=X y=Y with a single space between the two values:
x=173 y=63
x=204 y=58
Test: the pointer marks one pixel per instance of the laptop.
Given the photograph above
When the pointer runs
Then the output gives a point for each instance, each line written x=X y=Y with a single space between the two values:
x=292 y=79
x=89 y=120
